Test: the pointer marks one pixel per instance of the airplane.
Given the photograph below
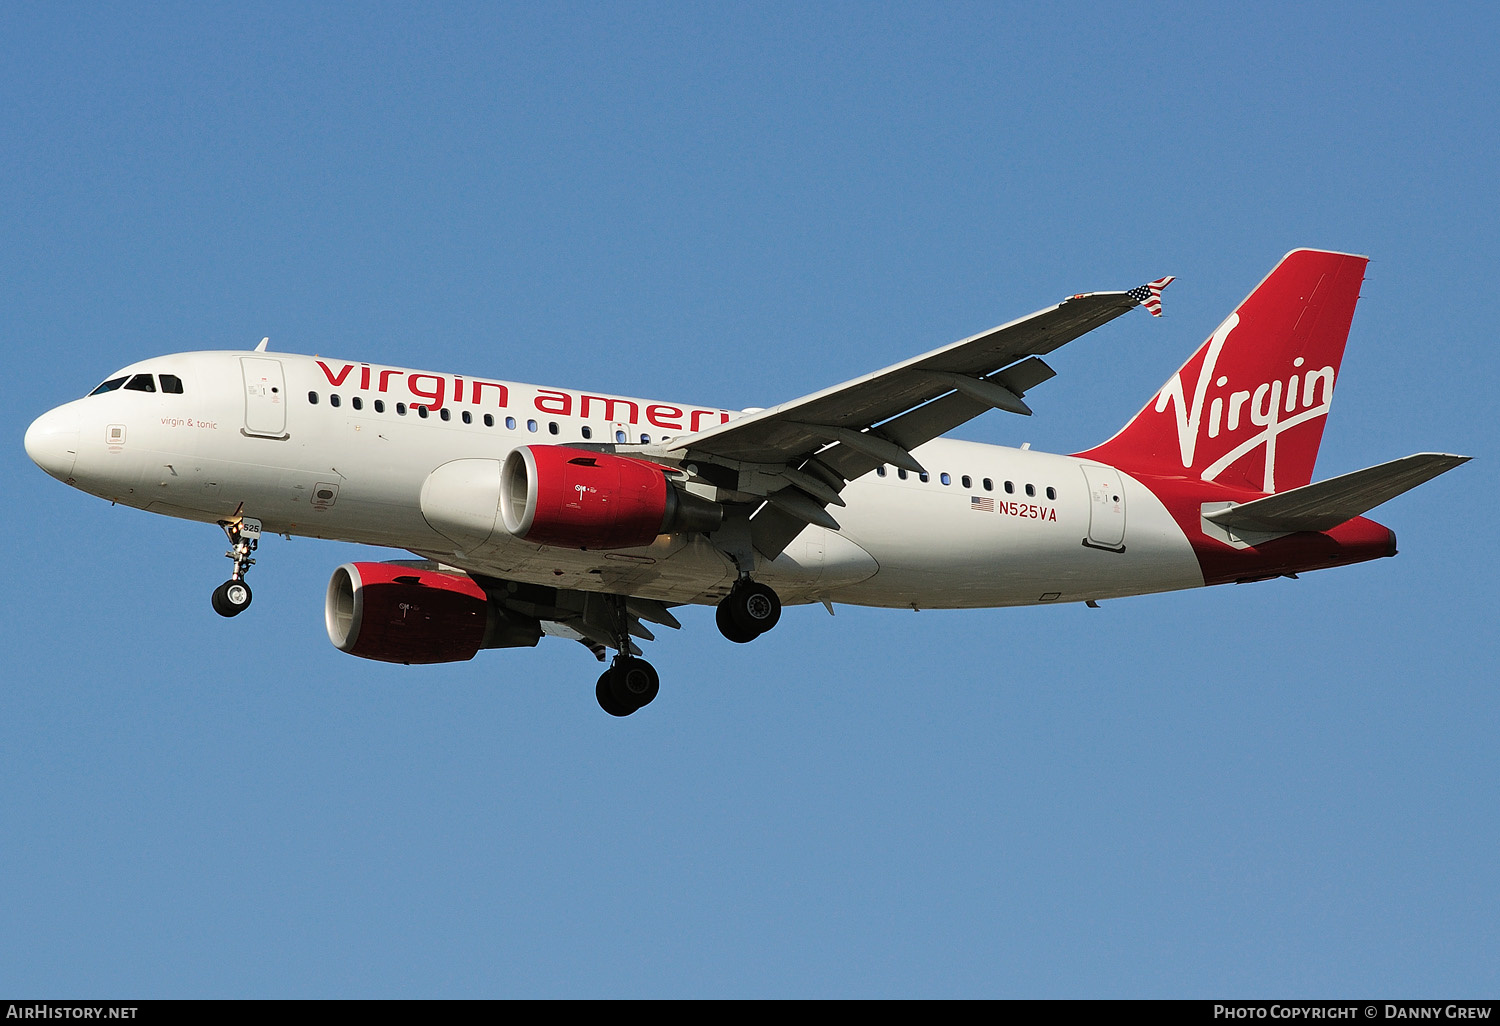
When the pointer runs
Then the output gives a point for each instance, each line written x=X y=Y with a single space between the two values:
x=537 y=511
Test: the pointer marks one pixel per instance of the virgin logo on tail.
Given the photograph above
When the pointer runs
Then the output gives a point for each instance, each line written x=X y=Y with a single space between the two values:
x=1248 y=408
x=1307 y=395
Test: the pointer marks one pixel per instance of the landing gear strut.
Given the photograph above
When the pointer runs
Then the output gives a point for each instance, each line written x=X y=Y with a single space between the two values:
x=748 y=611
x=233 y=596
x=630 y=683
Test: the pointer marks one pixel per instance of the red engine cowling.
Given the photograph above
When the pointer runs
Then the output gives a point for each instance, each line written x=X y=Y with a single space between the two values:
x=398 y=614
x=554 y=495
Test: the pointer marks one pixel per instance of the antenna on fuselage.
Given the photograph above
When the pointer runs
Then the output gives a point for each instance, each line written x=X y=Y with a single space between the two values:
x=263 y=343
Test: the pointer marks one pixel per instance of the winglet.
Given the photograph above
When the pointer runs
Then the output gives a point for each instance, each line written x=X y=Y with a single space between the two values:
x=263 y=343
x=1149 y=294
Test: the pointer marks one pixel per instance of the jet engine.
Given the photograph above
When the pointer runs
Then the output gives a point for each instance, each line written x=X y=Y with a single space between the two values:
x=554 y=495
x=398 y=613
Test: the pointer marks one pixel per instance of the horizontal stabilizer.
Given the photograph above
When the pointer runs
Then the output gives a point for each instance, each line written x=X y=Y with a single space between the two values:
x=1326 y=504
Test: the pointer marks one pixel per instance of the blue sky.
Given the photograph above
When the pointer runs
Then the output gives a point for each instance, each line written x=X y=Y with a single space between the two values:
x=1270 y=790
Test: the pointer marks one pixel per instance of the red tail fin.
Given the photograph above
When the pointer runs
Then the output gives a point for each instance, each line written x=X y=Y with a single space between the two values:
x=1249 y=407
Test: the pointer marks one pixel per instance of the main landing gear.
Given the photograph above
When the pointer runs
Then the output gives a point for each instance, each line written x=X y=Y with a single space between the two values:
x=630 y=683
x=233 y=596
x=748 y=611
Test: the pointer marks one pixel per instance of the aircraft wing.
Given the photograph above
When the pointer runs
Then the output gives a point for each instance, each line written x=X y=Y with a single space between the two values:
x=974 y=366
x=798 y=455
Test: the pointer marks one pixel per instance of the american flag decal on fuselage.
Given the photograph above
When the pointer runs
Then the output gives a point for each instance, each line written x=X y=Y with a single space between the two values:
x=980 y=504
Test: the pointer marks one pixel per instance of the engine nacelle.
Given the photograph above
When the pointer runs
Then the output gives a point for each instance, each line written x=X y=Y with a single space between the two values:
x=402 y=614
x=554 y=495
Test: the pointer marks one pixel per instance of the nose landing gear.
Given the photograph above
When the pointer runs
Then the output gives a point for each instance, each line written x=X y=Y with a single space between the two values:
x=233 y=596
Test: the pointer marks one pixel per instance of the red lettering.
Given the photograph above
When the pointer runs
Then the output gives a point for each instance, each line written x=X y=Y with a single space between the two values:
x=336 y=381
x=656 y=411
x=1027 y=511
x=434 y=394
x=550 y=400
x=609 y=407
x=476 y=392
x=364 y=377
x=385 y=378
x=698 y=414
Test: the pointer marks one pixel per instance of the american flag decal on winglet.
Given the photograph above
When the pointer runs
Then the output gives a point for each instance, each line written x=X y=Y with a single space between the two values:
x=1149 y=294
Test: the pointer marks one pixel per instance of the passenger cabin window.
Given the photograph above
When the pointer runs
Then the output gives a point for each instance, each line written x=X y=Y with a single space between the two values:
x=945 y=478
x=880 y=471
x=1052 y=493
x=489 y=420
x=1031 y=490
x=445 y=413
x=1010 y=488
x=588 y=432
x=312 y=398
x=379 y=405
x=334 y=400
x=400 y=409
x=422 y=412
x=468 y=417
x=967 y=481
x=141 y=383
x=357 y=403
x=989 y=485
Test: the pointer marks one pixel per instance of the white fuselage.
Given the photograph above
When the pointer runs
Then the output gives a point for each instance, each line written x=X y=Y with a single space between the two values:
x=331 y=449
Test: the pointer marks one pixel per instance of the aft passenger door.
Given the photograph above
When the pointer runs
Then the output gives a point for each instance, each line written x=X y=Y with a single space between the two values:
x=1106 y=508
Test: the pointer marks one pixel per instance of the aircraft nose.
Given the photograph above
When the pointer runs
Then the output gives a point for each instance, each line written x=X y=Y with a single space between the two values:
x=52 y=441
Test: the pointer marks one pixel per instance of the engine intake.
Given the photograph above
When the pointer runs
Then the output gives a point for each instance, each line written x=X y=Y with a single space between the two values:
x=403 y=614
x=554 y=495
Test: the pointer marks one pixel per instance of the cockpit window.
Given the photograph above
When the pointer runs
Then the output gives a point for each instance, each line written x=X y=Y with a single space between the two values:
x=108 y=386
x=171 y=384
x=141 y=383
